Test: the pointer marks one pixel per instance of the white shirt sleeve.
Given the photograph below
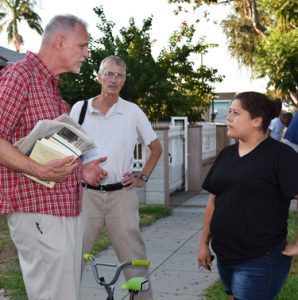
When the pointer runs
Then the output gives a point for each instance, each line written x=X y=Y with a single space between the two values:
x=145 y=132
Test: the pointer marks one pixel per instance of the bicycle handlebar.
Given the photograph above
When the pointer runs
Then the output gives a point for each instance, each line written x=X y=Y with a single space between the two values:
x=140 y=263
x=119 y=267
x=87 y=256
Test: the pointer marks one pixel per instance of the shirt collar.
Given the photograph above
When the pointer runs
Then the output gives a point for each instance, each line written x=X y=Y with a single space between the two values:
x=42 y=69
x=117 y=108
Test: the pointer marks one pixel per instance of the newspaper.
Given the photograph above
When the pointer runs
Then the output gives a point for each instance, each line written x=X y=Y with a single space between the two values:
x=45 y=151
x=63 y=126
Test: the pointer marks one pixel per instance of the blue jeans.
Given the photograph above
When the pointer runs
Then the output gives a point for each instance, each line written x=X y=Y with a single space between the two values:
x=257 y=279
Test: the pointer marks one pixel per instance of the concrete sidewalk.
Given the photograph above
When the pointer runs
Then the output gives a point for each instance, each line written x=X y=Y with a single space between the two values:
x=171 y=246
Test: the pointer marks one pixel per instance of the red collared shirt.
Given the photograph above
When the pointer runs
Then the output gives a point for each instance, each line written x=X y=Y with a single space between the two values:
x=29 y=92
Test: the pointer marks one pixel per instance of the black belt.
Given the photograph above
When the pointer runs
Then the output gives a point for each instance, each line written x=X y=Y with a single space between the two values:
x=105 y=187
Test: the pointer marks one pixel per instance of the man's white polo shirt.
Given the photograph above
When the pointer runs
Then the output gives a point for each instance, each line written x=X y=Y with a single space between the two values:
x=115 y=135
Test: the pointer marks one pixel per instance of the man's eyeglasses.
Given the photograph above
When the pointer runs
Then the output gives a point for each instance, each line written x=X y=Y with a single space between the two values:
x=109 y=74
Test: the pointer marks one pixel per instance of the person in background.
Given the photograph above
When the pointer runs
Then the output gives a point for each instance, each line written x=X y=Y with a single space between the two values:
x=291 y=136
x=116 y=125
x=45 y=224
x=278 y=125
x=251 y=184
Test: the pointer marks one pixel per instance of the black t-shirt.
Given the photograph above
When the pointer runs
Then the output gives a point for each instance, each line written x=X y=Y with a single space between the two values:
x=252 y=198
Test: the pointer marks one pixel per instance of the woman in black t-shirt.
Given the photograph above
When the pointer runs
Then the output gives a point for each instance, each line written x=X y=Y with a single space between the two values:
x=251 y=185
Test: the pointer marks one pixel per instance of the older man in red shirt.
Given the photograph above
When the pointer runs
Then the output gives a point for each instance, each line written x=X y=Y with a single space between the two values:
x=45 y=224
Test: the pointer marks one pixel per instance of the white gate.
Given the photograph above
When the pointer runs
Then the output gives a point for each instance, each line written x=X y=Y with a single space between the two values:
x=176 y=158
x=182 y=156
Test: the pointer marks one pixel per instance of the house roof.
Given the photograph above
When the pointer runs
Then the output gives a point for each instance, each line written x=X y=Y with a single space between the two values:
x=225 y=96
x=2 y=61
x=8 y=56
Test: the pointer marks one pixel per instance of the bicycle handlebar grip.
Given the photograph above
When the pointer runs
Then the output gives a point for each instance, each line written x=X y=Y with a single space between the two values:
x=140 y=263
x=87 y=256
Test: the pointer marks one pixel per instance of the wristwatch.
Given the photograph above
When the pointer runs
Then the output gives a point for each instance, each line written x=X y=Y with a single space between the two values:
x=144 y=177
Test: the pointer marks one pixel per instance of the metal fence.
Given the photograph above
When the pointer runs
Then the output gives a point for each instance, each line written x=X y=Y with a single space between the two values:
x=176 y=151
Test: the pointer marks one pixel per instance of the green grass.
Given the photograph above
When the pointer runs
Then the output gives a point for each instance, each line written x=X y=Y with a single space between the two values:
x=12 y=280
x=215 y=292
x=10 y=275
x=290 y=289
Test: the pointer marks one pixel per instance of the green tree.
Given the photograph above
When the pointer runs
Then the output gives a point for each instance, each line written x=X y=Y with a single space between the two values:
x=12 y=13
x=191 y=91
x=168 y=85
x=262 y=34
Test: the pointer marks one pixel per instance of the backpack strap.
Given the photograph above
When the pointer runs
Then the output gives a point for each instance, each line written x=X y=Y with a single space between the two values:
x=83 y=112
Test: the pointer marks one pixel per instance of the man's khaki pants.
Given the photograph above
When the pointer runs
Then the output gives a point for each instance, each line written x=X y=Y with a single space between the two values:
x=50 y=253
x=118 y=211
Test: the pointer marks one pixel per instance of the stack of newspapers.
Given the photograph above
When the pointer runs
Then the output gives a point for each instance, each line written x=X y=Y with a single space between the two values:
x=55 y=139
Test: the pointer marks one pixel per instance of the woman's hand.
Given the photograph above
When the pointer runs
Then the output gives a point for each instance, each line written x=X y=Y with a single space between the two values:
x=204 y=257
x=291 y=249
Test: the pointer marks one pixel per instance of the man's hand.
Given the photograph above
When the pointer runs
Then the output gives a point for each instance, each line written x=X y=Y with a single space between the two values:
x=131 y=180
x=92 y=173
x=57 y=170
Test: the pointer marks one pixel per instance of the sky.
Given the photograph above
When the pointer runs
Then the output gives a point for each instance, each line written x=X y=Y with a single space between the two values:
x=164 y=23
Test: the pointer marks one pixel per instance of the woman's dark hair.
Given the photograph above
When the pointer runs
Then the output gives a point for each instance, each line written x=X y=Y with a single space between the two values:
x=259 y=105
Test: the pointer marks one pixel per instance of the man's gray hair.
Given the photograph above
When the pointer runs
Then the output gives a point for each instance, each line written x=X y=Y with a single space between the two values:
x=116 y=59
x=61 y=23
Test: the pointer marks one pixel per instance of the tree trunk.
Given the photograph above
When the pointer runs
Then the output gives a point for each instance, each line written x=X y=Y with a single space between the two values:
x=294 y=96
x=255 y=18
x=17 y=42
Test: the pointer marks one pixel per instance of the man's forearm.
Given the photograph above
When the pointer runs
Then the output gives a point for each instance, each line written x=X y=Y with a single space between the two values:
x=14 y=159
x=57 y=170
x=153 y=158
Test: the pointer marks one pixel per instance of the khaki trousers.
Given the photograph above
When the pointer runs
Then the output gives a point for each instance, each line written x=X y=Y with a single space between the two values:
x=50 y=253
x=118 y=212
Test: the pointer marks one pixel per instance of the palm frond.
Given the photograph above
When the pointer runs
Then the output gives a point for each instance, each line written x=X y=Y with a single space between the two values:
x=17 y=11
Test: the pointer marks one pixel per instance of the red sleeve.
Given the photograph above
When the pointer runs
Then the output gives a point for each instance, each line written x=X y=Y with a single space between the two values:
x=13 y=98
